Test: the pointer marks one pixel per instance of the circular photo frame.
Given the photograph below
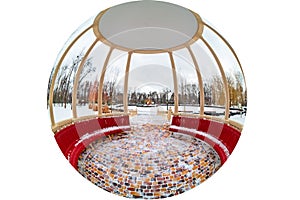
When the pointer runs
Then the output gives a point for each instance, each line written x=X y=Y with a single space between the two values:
x=147 y=100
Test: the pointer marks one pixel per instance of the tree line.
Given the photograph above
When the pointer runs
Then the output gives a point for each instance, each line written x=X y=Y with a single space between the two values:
x=188 y=93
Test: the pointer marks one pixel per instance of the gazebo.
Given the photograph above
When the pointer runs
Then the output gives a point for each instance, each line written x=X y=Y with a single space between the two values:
x=141 y=78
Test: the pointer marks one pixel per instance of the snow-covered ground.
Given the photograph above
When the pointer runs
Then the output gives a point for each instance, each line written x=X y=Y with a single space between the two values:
x=145 y=114
x=238 y=118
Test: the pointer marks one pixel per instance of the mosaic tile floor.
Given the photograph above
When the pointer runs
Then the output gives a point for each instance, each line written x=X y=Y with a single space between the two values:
x=148 y=162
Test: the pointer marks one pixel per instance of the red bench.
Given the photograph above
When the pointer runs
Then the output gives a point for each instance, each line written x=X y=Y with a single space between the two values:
x=222 y=137
x=73 y=139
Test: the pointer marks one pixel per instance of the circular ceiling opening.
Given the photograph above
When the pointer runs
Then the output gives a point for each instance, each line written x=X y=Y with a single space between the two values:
x=134 y=26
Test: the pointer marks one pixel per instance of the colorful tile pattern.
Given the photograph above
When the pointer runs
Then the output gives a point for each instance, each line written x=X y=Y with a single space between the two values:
x=148 y=162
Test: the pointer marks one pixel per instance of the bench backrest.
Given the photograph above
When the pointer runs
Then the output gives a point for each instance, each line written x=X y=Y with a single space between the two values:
x=228 y=135
x=67 y=137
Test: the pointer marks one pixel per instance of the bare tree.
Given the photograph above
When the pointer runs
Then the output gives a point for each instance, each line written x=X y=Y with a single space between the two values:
x=218 y=91
x=207 y=93
x=236 y=89
x=66 y=76
x=87 y=69
x=109 y=83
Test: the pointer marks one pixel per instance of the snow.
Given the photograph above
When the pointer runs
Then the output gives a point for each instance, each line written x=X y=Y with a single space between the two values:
x=145 y=114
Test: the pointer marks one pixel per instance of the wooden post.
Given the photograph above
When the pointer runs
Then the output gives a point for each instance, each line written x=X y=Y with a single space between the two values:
x=125 y=98
x=229 y=46
x=200 y=81
x=77 y=77
x=225 y=82
x=175 y=83
x=101 y=79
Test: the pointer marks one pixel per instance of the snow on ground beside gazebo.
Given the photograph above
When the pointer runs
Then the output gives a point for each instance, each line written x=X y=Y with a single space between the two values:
x=238 y=118
x=61 y=113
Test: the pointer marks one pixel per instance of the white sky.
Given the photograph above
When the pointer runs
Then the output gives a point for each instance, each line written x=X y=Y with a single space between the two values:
x=157 y=67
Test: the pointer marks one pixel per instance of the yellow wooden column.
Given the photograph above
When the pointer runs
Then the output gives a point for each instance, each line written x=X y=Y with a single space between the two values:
x=77 y=77
x=175 y=83
x=229 y=46
x=200 y=81
x=125 y=95
x=224 y=79
x=101 y=80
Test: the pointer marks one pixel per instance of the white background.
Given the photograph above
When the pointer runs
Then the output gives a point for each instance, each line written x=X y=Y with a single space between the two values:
x=265 y=35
